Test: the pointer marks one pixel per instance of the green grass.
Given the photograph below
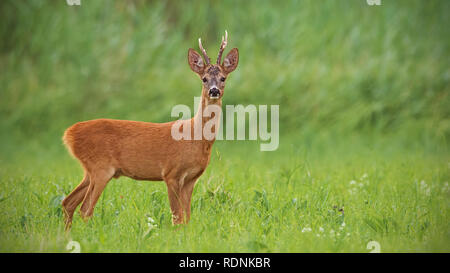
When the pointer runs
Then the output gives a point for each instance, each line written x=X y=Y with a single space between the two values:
x=246 y=201
x=364 y=119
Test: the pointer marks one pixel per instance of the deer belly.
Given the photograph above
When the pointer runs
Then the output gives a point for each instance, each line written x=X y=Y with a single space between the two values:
x=150 y=174
x=140 y=169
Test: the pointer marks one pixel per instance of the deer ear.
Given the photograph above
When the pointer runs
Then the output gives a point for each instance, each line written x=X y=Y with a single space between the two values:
x=231 y=61
x=195 y=61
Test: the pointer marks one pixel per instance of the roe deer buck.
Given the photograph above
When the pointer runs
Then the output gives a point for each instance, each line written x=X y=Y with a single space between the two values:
x=109 y=148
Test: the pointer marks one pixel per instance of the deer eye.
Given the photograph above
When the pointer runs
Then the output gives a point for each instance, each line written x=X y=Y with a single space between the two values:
x=222 y=79
x=204 y=80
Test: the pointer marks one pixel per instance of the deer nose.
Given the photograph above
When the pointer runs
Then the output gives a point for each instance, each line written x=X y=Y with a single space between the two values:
x=214 y=92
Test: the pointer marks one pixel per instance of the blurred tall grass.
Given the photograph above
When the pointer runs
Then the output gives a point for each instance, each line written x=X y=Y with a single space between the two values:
x=334 y=67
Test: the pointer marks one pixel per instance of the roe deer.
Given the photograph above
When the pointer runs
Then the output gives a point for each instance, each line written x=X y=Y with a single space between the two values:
x=108 y=148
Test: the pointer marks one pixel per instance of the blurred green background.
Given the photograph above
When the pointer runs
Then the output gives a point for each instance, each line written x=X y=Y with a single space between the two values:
x=363 y=94
x=336 y=68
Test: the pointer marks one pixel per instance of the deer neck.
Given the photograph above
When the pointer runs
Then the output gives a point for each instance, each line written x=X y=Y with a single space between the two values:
x=203 y=117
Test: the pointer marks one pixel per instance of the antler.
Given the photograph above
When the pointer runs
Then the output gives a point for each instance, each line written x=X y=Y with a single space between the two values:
x=203 y=51
x=222 y=47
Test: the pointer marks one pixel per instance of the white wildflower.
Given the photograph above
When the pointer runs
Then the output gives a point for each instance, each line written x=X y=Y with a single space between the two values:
x=151 y=226
x=425 y=188
x=353 y=182
x=321 y=229
x=423 y=185
x=306 y=229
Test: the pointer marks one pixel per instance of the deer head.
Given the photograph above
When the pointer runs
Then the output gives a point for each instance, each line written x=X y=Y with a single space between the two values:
x=213 y=75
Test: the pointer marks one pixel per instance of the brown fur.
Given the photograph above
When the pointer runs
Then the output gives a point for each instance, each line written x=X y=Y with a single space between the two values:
x=108 y=148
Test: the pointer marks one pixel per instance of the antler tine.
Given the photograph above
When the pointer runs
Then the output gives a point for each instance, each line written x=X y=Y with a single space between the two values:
x=203 y=51
x=222 y=47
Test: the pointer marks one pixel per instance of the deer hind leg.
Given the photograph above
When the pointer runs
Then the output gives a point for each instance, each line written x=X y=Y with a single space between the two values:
x=98 y=181
x=71 y=202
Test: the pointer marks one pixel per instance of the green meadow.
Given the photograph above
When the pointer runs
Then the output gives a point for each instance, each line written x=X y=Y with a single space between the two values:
x=364 y=119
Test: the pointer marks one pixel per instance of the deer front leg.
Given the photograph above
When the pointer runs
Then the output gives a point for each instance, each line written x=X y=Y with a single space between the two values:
x=186 y=196
x=175 y=200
